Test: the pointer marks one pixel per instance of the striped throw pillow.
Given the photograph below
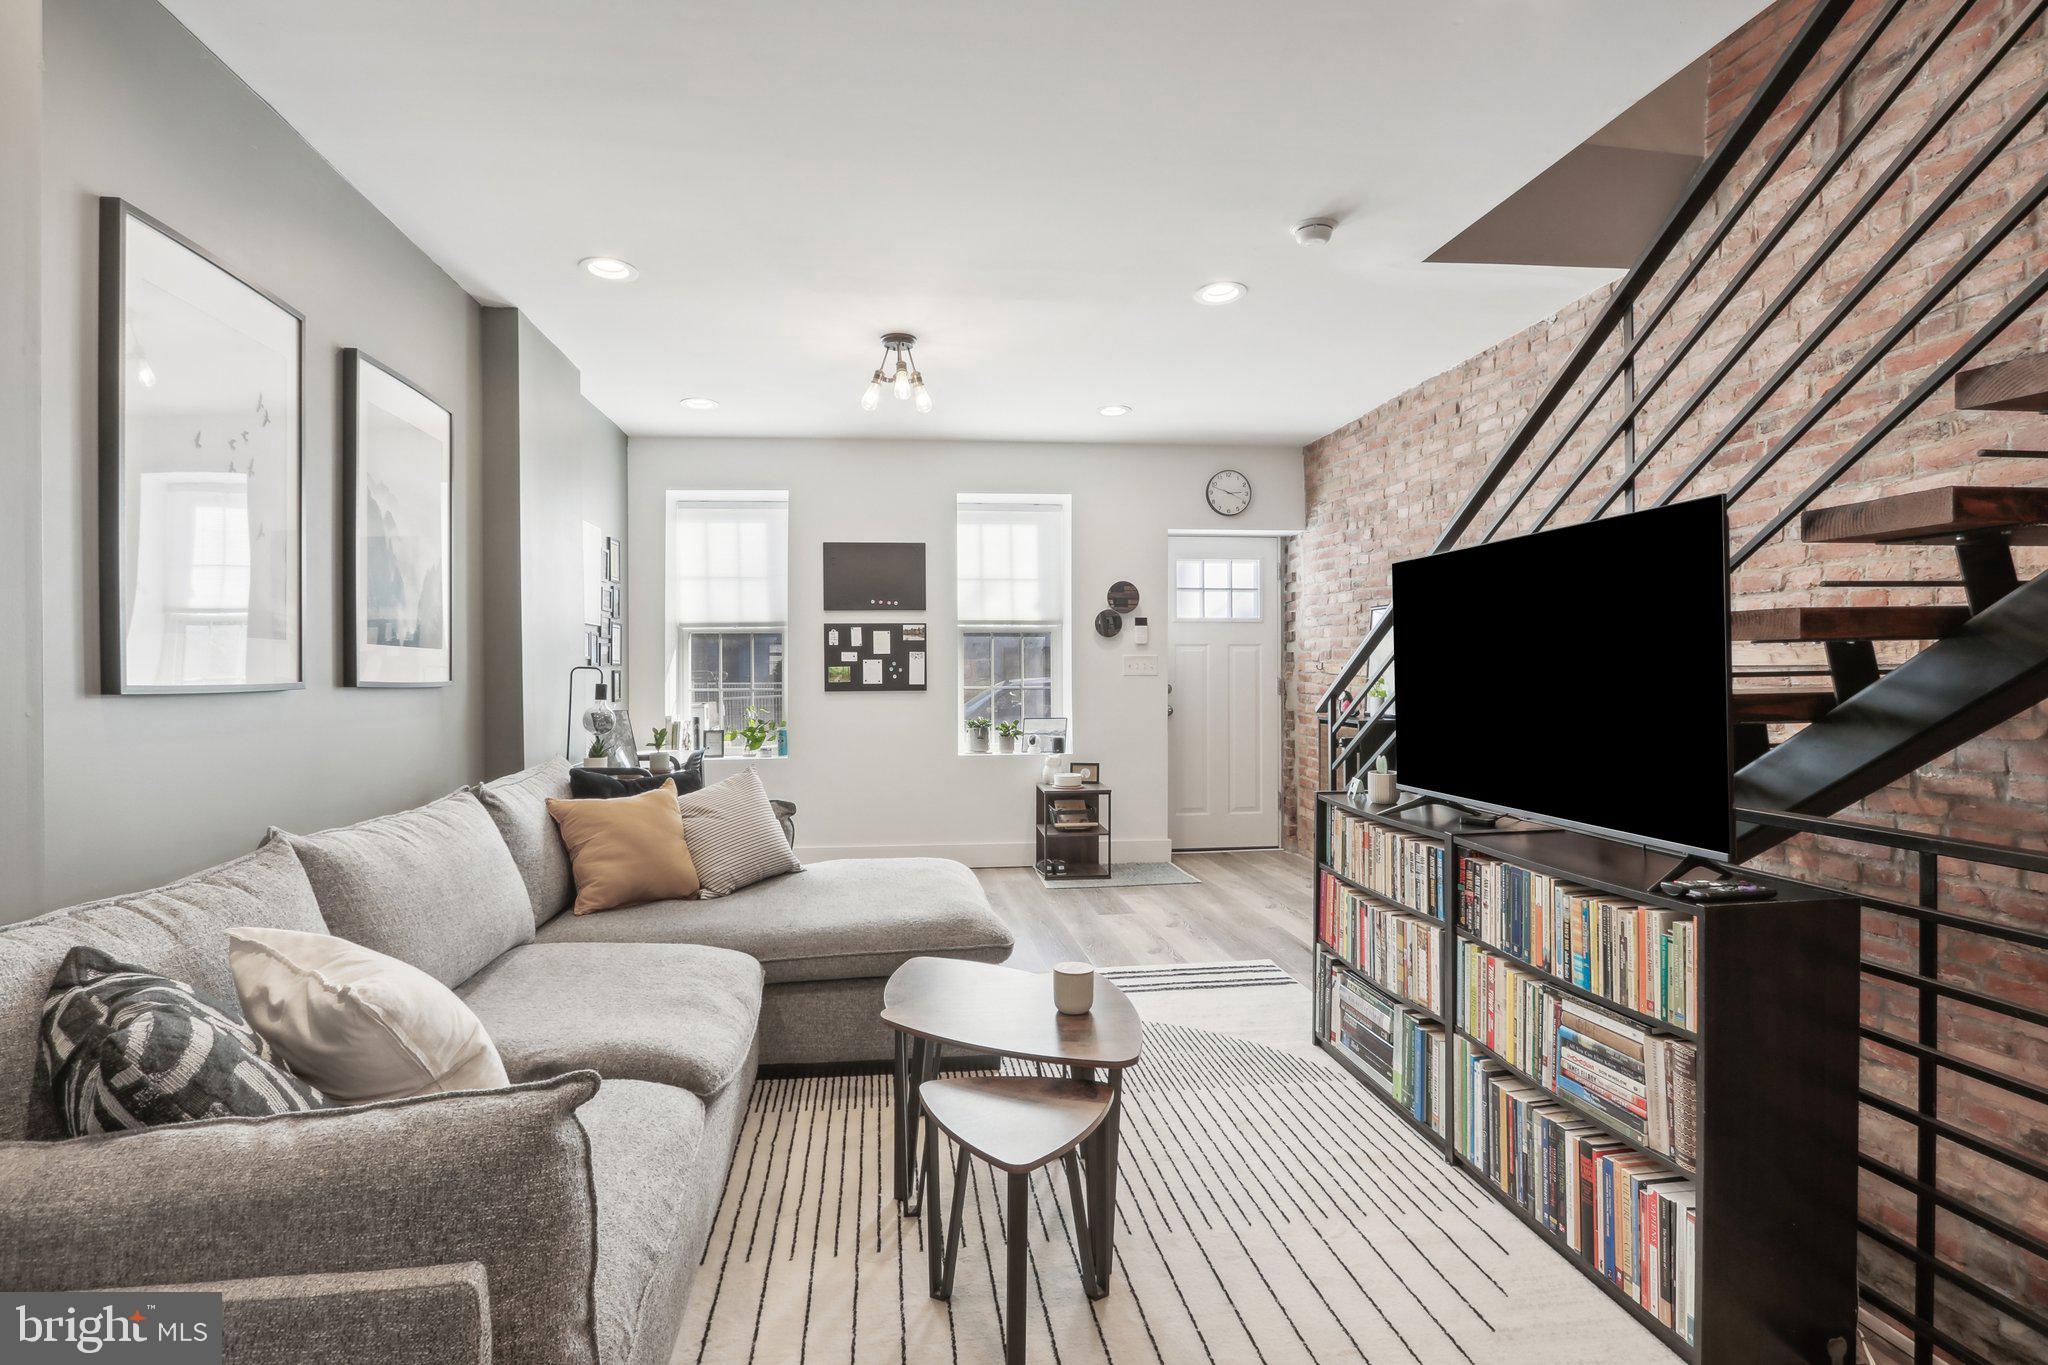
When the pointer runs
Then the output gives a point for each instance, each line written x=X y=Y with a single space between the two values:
x=126 y=1048
x=733 y=835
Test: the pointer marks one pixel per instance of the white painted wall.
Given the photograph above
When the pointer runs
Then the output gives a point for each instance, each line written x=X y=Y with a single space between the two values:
x=881 y=774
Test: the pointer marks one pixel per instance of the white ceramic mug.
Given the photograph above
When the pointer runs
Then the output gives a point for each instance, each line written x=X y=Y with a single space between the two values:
x=1073 y=987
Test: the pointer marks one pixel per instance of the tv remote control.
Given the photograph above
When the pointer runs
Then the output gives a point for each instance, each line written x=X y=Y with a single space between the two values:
x=1716 y=889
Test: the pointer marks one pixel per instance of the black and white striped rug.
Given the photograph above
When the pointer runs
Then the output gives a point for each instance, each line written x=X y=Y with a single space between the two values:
x=1197 y=976
x=1269 y=1212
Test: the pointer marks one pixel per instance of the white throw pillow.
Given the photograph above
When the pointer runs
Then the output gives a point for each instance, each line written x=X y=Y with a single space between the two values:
x=357 y=1024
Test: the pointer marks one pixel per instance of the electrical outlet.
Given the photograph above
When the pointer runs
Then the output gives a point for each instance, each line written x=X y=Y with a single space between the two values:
x=1141 y=665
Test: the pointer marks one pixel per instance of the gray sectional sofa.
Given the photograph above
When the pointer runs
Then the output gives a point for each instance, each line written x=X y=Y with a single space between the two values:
x=557 y=1220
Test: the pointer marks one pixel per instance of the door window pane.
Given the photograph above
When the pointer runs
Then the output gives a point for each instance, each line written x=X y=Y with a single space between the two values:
x=1216 y=590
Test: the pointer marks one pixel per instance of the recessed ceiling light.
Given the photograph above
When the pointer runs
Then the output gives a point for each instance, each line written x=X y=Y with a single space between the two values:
x=609 y=268
x=1115 y=410
x=1222 y=291
x=700 y=404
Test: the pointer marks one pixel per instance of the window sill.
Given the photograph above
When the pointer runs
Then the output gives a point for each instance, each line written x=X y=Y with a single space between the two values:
x=741 y=755
x=991 y=753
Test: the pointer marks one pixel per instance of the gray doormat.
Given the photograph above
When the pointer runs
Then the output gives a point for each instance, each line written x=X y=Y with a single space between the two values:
x=1129 y=874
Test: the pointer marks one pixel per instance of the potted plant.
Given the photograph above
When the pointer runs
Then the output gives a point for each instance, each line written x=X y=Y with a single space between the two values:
x=660 y=761
x=753 y=735
x=595 y=758
x=1380 y=787
x=977 y=734
x=1008 y=732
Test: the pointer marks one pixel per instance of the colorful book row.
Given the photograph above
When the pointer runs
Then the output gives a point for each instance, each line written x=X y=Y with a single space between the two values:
x=1386 y=862
x=1643 y=1085
x=1639 y=957
x=1629 y=1217
x=1400 y=1053
x=1400 y=952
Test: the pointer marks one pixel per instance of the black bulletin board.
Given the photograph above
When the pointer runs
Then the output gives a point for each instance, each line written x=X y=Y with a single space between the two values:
x=875 y=656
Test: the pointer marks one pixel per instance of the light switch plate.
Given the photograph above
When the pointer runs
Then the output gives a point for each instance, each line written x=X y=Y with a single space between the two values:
x=1141 y=665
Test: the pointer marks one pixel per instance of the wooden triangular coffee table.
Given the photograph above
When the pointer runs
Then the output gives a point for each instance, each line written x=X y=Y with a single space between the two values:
x=933 y=1003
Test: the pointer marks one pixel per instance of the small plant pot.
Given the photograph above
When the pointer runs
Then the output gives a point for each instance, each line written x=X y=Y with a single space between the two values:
x=1381 y=789
x=597 y=762
x=1006 y=744
x=660 y=764
x=977 y=741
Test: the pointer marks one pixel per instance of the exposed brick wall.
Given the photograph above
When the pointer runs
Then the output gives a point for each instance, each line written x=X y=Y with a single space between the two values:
x=1383 y=487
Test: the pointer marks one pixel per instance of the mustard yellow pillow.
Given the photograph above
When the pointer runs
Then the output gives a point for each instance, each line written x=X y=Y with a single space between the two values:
x=627 y=850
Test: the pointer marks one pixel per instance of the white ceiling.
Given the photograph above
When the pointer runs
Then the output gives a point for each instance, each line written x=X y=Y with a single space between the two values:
x=1034 y=189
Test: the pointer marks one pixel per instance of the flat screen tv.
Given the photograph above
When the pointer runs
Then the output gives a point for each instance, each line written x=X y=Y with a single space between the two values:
x=1578 y=677
x=861 y=575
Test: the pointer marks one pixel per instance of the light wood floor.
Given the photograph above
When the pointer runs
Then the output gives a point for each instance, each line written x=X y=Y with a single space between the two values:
x=1248 y=905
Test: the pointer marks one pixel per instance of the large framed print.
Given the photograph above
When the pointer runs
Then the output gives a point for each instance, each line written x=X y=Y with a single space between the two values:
x=201 y=545
x=398 y=448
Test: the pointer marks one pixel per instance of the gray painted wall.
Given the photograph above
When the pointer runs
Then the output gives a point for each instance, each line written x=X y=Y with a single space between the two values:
x=21 y=94
x=142 y=789
x=555 y=462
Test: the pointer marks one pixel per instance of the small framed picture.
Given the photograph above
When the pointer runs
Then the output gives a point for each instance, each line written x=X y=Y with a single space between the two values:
x=611 y=643
x=608 y=599
x=1090 y=772
x=593 y=646
x=614 y=559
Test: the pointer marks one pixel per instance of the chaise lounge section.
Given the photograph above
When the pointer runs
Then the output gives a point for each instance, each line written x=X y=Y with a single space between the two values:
x=557 y=1219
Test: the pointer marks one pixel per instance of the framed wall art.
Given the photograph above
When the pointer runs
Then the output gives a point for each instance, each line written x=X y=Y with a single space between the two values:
x=398 y=451
x=201 y=545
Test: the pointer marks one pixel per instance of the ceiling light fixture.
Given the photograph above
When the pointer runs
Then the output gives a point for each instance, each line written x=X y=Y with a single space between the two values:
x=700 y=404
x=1115 y=410
x=609 y=268
x=899 y=371
x=1222 y=291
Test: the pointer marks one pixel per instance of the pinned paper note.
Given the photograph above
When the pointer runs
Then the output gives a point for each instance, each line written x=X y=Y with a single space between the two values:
x=871 y=672
x=880 y=644
x=917 y=668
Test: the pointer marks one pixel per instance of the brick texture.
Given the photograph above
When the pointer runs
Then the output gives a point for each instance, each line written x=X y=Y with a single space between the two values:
x=1383 y=487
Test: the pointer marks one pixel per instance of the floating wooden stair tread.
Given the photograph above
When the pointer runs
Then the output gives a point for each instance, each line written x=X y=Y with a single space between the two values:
x=1784 y=705
x=1787 y=624
x=2018 y=385
x=1926 y=514
x=2012 y=454
x=1891 y=583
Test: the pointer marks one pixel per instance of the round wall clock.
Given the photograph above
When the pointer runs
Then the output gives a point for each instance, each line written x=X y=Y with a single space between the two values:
x=1229 y=492
x=1108 y=624
x=1123 y=596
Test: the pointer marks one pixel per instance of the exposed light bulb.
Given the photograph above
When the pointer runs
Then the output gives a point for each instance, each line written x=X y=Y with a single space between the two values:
x=147 y=374
x=924 y=395
x=902 y=380
x=872 y=398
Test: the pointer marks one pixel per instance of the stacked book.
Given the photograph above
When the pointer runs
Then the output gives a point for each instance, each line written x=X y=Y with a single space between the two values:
x=1402 y=953
x=1400 y=1054
x=1386 y=862
x=1073 y=814
x=1637 y=956
x=1640 y=1084
x=1629 y=1217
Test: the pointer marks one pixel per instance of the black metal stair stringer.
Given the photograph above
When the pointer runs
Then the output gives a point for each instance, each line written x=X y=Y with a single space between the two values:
x=1955 y=689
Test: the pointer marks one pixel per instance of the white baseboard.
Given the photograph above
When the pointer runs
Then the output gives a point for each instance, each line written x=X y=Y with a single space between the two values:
x=1017 y=854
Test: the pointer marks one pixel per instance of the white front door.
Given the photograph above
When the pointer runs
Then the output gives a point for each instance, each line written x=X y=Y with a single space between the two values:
x=1225 y=697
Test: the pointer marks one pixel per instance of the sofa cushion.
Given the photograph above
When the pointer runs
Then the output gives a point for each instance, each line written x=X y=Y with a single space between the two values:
x=125 y=1049
x=626 y=851
x=179 y=930
x=644 y=1141
x=433 y=886
x=675 y=1013
x=735 y=836
x=518 y=806
x=857 y=917
x=358 y=1023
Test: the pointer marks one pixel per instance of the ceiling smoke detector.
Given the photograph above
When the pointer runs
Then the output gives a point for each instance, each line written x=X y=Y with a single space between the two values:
x=1315 y=232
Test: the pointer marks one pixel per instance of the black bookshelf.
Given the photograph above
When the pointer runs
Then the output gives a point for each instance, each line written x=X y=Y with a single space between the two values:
x=1776 y=1115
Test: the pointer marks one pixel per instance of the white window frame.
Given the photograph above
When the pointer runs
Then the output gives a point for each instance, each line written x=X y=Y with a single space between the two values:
x=690 y=614
x=1239 y=578
x=1053 y=511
